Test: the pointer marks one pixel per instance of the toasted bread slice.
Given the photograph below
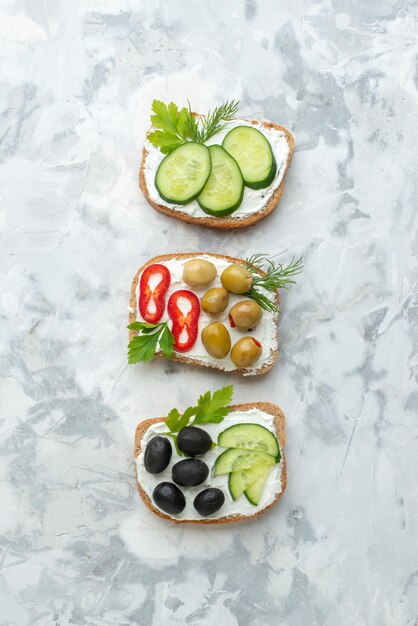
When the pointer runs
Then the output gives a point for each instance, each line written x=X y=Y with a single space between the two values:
x=231 y=221
x=279 y=426
x=133 y=311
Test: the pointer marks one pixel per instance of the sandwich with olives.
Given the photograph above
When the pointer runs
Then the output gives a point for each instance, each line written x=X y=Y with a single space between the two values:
x=208 y=310
x=214 y=463
x=218 y=170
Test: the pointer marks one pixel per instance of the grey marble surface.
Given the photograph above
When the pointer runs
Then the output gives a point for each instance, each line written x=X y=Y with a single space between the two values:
x=76 y=544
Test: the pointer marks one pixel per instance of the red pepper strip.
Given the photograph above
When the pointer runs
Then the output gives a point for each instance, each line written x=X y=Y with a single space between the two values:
x=185 y=325
x=152 y=299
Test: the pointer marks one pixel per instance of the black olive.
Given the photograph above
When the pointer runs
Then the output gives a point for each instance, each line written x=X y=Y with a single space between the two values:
x=192 y=440
x=157 y=454
x=209 y=501
x=169 y=498
x=190 y=472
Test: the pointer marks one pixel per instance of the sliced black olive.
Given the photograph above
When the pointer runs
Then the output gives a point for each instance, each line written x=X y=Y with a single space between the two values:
x=192 y=440
x=190 y=472
x=169 y=498
x=209 y=501
x=157 y=454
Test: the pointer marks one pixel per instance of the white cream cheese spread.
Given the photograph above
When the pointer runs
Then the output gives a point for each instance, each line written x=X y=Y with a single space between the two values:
x=265 y=332
x=241 y=506
x=253 y=200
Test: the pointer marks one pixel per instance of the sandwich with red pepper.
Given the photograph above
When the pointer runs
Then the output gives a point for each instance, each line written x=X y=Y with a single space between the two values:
x=208 y=310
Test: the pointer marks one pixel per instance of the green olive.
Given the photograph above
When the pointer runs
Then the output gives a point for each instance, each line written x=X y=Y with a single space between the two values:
x=246 y=352
x=216 y=340
x=198 y=272
x=245 y=315
x=236 y=279
x=215 y=300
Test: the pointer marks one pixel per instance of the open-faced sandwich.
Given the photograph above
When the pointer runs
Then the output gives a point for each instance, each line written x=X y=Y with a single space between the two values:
x=214 y=463
x=208 y=310
x=216 y=170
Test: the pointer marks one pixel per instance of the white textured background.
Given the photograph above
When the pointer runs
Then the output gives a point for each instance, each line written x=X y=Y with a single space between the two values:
x=77 y=547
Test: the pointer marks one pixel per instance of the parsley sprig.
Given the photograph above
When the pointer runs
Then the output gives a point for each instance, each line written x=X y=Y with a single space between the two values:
x=210 y=408
x=171 y=126
x=151 y=337
x=174 y=127
x=277 y=276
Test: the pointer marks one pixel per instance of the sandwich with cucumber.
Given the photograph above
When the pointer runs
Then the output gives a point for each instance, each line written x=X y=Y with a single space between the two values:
x=209 y=310
x=213 y=463
x=216 y=170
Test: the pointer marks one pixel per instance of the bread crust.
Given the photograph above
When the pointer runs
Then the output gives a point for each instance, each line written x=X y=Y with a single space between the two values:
x=279 y=425
x=184 y=359
x=227 y=222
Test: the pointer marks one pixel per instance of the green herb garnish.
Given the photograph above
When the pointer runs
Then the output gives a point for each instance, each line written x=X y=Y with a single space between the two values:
x=210 y=408
x=171 y=126
x=203 y=128
x=175 y=422
x=144 y=346
x=277 y=276
x=213 y=408
x=174 y=127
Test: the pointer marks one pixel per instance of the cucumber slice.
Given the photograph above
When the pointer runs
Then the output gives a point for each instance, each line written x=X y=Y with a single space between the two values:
x=253 y=492
x=239 y=481
x=254 y=155
x=224 y=189
x=235 y=460
x=183 y=173
x=250 y=437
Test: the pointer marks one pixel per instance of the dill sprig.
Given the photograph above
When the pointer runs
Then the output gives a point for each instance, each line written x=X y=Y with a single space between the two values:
x=203 y=128
x=262 y=300
x=277 y=276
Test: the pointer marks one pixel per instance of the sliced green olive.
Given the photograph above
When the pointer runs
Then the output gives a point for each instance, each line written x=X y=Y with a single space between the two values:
x=198 y=272
x=236 y=279
x=215 y=300
x=245 y=352
x=245 y=314
x=216 y=340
